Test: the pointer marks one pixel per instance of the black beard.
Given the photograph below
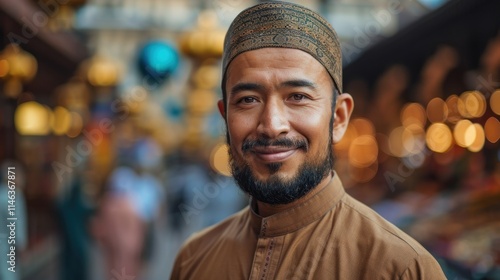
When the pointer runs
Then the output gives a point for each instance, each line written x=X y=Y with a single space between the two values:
x=277 y=190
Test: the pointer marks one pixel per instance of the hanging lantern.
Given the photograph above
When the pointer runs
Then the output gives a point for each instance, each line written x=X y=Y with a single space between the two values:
x=157 y=62
x=207 y=40
x=103 y=71
x=16 y=67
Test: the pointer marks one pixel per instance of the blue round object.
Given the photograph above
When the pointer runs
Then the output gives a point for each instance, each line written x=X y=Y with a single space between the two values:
x=157 y=61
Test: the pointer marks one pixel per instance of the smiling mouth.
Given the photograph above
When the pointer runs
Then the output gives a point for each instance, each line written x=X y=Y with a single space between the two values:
x=273 y=154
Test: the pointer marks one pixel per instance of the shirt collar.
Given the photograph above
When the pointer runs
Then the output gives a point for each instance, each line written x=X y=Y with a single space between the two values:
x=301 y=215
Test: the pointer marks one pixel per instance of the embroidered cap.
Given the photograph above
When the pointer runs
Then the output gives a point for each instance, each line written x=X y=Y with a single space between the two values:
x=284 y=25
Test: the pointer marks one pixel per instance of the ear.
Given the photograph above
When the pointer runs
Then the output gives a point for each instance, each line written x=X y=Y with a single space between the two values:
x=222 y=110
x=343 y=111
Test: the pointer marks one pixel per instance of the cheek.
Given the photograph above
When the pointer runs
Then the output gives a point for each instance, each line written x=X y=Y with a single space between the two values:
x=239 y=128
x=313 y=126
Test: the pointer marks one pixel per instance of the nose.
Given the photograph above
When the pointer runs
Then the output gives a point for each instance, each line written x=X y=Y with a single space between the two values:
x=273 y=120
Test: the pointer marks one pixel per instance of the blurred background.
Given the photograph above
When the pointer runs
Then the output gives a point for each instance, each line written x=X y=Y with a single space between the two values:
x=109 y=126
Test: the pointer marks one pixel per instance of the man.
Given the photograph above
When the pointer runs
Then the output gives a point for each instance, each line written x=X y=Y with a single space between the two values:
x=282 y=80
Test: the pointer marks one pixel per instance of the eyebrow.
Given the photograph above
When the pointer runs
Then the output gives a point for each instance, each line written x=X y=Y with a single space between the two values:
x=246 y=86
x=257 y=87
x=299 y=83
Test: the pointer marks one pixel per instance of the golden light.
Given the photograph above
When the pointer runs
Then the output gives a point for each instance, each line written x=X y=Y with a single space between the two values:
x=103 y=72
x=478 y=143
x=452 y=102
x=76 y=125
x=201 y=101
x=472 y=104
x=349 y=135
x=413 y=139
x=437 y=110
x=396 y=146
x=207 y=76
x=4 y=67
x=32 y=118
x=439 y=137
x=492 y=129
x=206 y=41
x=495 y=102
x=363 y=126
x=219 y=160
x=16 y=67
x=363 y=151
x=61 y=120
x=464 y=133
x=413 y=113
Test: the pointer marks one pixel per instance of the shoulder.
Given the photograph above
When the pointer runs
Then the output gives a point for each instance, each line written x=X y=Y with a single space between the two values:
x=375 y=226
x=380 y=239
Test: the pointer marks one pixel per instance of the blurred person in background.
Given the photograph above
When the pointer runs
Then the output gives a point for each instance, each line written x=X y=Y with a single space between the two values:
x=124 y=224
x=284 y=109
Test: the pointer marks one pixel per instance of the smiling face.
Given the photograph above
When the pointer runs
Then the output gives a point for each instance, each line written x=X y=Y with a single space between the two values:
x=279 y=122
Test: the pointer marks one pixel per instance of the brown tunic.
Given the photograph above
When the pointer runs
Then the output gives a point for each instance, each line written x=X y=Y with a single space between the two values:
x=329 y=236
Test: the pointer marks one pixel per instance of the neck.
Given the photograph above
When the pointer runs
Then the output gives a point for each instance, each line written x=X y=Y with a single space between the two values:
x=266 y=210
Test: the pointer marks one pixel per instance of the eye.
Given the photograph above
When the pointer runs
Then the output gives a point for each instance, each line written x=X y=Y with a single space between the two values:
x=247 y=99
x=298 y=97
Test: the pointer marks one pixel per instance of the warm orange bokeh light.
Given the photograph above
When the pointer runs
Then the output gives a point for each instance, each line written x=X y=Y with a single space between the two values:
x=437 y=110
x=472 y=104
x=363 y=151
x=478 y=142
x=439 y=137
x=495 y=102
x=492 y=129
x=464 y=133
x=413 y=113
x=452 y=102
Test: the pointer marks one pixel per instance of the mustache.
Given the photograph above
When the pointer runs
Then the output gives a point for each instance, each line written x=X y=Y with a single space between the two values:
x=250 y=144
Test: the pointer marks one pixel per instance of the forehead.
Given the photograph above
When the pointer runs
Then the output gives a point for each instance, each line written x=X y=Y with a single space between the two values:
x=276 y=63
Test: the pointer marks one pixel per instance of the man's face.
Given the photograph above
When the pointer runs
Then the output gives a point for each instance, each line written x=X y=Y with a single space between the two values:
x=279 y=123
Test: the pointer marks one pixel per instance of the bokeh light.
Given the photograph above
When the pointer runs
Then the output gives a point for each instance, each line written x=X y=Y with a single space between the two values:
x=103 y=72
x=437 y=110
x=349 y=135
x=495 y=101
x=396 y=146
x=76 y=125
x=478 y=142
x=363 y=126
x=219 y=160
x=464 y=133
x=452 y=103
x=363 y=151
x=472 y=104
x=439 y=137
x=492 y=129
x=61 y=120
x=413 y=113
x=414 y=139
x=32 y=118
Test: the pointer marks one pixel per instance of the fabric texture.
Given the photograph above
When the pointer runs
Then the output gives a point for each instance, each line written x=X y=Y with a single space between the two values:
x=329 y=236
x=284 y=25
